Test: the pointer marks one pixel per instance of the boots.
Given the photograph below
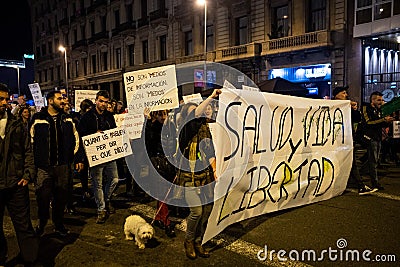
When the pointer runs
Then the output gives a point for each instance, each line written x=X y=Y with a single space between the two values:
x=110 y=208
x=201 y=251
x=189 y=249
x=169 y=231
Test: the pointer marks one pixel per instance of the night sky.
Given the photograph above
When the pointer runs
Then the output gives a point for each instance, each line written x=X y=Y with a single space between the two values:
x=15 y=29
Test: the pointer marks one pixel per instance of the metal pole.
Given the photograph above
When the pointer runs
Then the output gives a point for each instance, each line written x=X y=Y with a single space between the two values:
x=205 y=45
x=19 y=90
x=66 y=71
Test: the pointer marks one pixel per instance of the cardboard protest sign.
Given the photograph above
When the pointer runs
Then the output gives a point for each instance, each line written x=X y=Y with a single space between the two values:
x=155 y=88
x=275 y=152
x=396 y=129
x=84 y=94
x=36 y=94
x=106 y=146
x=194 y=98
x=132 y=123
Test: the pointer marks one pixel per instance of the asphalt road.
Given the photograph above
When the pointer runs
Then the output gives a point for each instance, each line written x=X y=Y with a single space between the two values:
x=340 y=226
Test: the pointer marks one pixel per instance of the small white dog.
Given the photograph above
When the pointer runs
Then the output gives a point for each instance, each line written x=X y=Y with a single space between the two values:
x=137 y=226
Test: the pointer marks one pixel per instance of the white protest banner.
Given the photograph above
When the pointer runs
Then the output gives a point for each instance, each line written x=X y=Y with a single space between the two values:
x=132 y=123
x=194 y=98
x=249 y=88
x=155 y=88
x=36 y=94
x=275 y=152
x=84 y=94
x=106 y=146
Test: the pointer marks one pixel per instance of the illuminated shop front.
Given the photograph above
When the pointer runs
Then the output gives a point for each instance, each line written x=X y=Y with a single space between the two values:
x=316 y=78
x=381 y=72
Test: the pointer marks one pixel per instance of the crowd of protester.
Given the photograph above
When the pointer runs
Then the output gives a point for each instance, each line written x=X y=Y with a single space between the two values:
x=47 y=150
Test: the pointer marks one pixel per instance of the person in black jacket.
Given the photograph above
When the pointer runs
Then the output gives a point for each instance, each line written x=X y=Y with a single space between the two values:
x=55 y=144
x=16 y=170
x=96 y=120
x=340 y=93
x=374 y=122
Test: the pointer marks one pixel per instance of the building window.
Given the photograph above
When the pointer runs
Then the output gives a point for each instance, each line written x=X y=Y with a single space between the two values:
x=50 y=45
x=383 y=10
x=76 y=68
x=317 y=15
x=45 y=75
x=103 y=23
x=163 y=47
x=69 y=71
x=145 y=51
x=118 y=58
x=83 y=32
x=143 y=4
x=84 y=66
x=210 y=37
x=75 y=35
x=105 y=62
x=92 y=29
x=66 y=39
x=116 y=18
x=396 y=8
x=40 y=76
x=94 y=63
x=188 y=43
x=38 y=54
x=131 y=54
x=44 y=49
x=129 y=13
x=51 y=74
x=241 y=31
x=280 y=25
x=58 y=72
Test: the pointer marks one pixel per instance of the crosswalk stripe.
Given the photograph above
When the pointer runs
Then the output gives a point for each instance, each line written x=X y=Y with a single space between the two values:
x=378 y=194
x=229 y=243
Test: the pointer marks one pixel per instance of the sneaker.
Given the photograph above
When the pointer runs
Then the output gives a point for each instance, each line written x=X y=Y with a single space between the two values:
x=61 y=230
x=101 y=217
x=378 y=186
x=366 y=190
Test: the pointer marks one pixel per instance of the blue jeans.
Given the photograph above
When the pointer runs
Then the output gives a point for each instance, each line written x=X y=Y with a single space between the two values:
x=103 y=188
x=198 y=217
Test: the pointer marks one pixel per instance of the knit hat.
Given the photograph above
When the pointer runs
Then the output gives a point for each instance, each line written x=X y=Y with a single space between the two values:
x=339 y=89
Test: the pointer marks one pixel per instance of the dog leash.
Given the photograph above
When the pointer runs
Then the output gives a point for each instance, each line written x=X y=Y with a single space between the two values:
x=163 y=202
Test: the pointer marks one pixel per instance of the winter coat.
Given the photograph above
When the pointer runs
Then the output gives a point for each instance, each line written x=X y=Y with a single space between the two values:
x=54 y=142
x=16 y=155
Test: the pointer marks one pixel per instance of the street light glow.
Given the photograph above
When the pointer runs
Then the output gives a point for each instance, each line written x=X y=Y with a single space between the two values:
x=201 y=2
x=61 y=48
x=64 y=50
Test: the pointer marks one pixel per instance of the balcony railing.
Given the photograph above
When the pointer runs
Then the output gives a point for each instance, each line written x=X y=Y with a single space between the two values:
x=238 y=52
x=95 y=5
x=158 y=14
x=79 y=43
x=98 y=36
x=143 y=22
x=299 y=42
x=129 y=25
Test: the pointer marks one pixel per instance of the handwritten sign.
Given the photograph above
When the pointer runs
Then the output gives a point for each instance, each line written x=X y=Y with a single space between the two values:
x=396 y=129
x=84 y=94
x=275 y=152
x=194 y=98
x=132 y=123
x=155 y=88
x=106 y=146
x=249 y=88
x=36 y=94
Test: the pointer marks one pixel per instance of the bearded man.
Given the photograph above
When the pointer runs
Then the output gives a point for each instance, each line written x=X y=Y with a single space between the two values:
x=55 y=143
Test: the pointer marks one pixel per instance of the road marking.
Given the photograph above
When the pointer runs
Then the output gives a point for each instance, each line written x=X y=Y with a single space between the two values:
x=378 y=194
x=225 y=241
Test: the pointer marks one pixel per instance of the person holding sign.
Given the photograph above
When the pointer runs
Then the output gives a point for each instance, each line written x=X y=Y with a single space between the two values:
x=55 y=146
x=104 y=176
x=16 y=170
x=196 y=167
